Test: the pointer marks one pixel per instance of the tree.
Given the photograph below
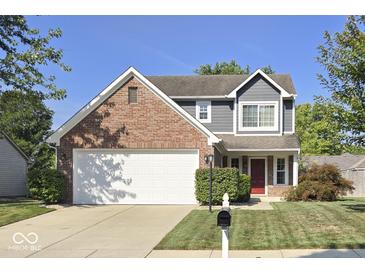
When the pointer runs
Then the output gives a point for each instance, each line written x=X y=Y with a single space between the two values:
x=24 y=86
x=268 y=70
x=318 y=132
x=343 y=57
x=23 y=52
x=27 y=120
x=222 y=68
x=231 y=67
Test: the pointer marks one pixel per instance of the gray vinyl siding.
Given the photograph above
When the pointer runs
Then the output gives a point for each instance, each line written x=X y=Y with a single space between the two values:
x=13 y=169
x=258 y=89
x=222 y=114
x=188 y=106
x=288 y=115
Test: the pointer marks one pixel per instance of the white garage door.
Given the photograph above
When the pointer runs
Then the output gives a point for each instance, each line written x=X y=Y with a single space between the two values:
x=134 y=176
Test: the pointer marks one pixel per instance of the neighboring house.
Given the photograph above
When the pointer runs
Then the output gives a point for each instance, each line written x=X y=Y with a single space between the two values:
x=13 y=168
x=352 y=168
x=142 y=138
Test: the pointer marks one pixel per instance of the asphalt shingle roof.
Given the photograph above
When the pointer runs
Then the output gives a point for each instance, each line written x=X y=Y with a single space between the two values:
x=259 y=142
x=211 y=85
x=344 y=161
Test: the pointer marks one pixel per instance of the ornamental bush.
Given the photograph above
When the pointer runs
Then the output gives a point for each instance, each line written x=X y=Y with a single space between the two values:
x=223 y=180
x=321 y=183
x=46 y=185
x=244 y=188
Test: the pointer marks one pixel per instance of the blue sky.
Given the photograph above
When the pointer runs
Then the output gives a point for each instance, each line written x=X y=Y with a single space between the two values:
x=99 y=48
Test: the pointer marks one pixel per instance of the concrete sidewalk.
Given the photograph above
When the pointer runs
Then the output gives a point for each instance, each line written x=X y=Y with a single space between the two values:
x=282 y=253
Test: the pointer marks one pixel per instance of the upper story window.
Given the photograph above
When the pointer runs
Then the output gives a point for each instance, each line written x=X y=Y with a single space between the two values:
x=132 y=95
x=258 y=116
x=203 y=111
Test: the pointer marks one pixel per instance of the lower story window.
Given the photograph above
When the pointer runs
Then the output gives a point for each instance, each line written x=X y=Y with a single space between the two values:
x=234 y=163
x=280 y=171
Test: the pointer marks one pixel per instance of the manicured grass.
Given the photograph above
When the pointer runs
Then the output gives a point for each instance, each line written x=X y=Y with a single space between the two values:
x=338 y=224
x=17 y=210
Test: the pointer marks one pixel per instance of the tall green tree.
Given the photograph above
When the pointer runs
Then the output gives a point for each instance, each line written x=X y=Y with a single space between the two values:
x=26 y=118
x=231 y=67
x=318 y=132
x=268 y=69
x=25 y=55
x=343 y=57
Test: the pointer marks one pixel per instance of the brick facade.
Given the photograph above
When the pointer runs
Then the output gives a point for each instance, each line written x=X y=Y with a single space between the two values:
x=148 y=124
x=277 y=191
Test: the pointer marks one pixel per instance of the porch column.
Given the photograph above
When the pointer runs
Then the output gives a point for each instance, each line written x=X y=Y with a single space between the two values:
x=295 y=169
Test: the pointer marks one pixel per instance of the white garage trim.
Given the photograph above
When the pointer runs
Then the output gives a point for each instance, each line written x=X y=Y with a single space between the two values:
x=134 y=176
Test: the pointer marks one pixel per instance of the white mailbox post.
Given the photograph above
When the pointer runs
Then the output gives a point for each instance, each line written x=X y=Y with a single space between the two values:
x=224 y=221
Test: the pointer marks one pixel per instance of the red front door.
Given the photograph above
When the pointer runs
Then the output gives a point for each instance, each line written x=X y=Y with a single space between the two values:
x=258 y=176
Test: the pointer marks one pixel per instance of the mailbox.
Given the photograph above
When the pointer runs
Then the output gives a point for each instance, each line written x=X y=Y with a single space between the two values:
x=224 y=217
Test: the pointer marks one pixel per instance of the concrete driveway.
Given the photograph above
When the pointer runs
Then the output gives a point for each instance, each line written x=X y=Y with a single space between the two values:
x=91 y=231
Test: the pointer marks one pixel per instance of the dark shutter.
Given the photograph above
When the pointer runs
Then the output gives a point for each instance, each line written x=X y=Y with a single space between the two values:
x=291 y=159
x=270 y=169
x=245 y=164
x=225 y=161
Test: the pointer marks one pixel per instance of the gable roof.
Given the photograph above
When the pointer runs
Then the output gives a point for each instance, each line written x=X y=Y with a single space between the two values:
x=284 y=92
x=109 y=90
x=343 y=162
x=21 y=152
x=212 y=85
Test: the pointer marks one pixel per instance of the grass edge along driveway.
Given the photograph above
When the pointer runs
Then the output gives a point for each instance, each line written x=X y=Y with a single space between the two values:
x=17 y=210
x=291 y=225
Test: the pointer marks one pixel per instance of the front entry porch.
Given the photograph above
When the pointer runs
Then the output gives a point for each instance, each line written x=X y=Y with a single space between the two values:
x=271 y=172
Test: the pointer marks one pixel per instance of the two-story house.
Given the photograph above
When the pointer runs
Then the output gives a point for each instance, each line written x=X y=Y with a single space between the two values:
x=142 y=138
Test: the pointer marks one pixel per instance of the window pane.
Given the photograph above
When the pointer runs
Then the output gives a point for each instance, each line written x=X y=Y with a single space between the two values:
x=249 y=116
x=280 y=178
x=132 y=95
x=266 y=117
x=234 y=163
x=203 y=115
x=203 y=111
x=281 y=164
x=280 y=174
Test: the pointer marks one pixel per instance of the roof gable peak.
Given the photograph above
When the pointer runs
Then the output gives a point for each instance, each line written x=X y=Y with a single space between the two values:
x=283 y=92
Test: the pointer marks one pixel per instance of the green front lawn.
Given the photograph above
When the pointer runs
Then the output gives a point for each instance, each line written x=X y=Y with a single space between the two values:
x=338 y=224
x=17 y=210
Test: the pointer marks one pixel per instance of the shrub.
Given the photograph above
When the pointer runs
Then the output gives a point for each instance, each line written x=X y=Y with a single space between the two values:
x=46 y=185
x=223 y=180
x=244 y=188
x=319 y=182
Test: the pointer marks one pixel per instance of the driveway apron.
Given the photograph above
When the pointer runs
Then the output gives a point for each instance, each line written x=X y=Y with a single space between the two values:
x=92 y=231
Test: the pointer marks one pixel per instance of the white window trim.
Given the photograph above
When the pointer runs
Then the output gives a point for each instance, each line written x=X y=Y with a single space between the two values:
x=209 y=108
x=286 y=157
x=259 y=103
